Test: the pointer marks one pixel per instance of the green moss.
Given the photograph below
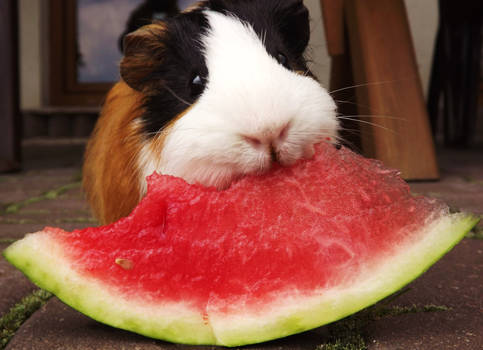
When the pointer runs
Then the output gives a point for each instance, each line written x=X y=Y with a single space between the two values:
x=55 y=193
x=347 y=334
x=76 y=220
x=475 y=233
x=35 y=211
x=472 y=180
x=10 y=322
x=390 y=311
x=22 y=221
x=355 y=343
x=52 y=194
x=77 y=177
x=15 y=221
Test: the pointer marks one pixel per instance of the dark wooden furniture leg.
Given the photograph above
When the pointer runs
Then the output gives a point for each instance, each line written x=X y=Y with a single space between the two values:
x=341 y=77
x=9 y=93
x=395 y=127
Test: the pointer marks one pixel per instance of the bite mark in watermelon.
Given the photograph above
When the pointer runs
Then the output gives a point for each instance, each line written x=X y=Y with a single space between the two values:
x=271 y=256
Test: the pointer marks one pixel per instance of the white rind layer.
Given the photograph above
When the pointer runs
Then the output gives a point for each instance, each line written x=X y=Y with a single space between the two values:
x=41 y=258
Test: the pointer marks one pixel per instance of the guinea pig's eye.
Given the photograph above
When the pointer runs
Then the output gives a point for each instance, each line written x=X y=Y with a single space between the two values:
x=197 y=86
x=282 y=59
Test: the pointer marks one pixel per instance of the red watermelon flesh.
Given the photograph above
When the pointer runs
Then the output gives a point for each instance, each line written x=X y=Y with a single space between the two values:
x=252 y=260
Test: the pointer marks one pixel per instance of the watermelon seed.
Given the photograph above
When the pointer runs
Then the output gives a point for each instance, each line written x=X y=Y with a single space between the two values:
x=125 y=263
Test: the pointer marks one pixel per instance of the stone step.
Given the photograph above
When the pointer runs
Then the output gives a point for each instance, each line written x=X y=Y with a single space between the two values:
x=59 y=121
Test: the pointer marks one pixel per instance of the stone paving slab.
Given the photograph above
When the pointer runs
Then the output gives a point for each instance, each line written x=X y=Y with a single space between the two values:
x=466 y=163
x=455 y=192
x=69 y=211
x=12 y=232
x=455 y=282
x=449 y=187
x=19 y=187
x=58 y=211
x=14 y=285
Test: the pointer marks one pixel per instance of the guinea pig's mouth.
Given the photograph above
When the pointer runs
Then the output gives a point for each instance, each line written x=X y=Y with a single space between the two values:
x=222 y=179
x=274 y=159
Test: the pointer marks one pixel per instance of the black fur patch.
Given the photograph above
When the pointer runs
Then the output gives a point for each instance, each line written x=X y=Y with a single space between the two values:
x=182 y=61
x=283 y=25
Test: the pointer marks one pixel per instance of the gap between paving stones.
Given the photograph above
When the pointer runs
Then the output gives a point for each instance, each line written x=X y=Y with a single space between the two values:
x=74 y=220
x=19 y=313
x=13 y=208
x=472 y=180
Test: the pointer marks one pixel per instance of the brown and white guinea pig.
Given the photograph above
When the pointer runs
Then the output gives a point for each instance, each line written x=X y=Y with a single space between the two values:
x=212 y=94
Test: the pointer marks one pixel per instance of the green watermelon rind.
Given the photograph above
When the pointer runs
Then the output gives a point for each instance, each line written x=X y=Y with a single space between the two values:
x=438 y=238
x=40 y=257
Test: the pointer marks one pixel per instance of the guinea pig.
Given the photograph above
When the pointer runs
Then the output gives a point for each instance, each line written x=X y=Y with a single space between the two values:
x=214 y=93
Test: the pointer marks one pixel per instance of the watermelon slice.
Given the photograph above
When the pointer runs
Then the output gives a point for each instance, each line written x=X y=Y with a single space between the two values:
x=271 y=256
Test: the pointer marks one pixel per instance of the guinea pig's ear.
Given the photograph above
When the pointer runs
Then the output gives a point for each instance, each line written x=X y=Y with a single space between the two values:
x=143 y=50
x=294 y=25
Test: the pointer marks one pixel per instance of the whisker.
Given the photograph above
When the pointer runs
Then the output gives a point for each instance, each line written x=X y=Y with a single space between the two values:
x=370 y=84
x=353 y=117
x=369 y=123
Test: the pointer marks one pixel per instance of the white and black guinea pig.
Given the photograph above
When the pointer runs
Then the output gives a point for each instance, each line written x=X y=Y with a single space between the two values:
x=214 y=93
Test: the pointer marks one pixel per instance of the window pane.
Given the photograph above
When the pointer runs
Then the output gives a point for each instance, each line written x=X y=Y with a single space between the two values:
x=100 y=27
x=100 y=23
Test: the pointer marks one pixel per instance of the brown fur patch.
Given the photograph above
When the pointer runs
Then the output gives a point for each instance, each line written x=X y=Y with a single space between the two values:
x=110 y=173
x=197 y=5
x=143 y=51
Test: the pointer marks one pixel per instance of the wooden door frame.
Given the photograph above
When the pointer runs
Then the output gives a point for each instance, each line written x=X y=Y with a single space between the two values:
x=10 y=121
x=64 y=89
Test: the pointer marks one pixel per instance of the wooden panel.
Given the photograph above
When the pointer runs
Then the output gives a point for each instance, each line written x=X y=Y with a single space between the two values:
x=333 y=18
x=9 y=92
x=384 y=63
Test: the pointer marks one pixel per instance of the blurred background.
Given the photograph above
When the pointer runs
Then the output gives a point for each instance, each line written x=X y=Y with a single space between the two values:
x=68 y=54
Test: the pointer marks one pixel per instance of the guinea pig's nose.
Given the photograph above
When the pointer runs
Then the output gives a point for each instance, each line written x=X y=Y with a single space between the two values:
x=267 y=146
x=268 y=137
x=258 y=144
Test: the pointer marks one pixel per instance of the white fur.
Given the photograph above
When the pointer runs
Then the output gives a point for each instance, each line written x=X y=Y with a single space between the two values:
x=249 y=96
